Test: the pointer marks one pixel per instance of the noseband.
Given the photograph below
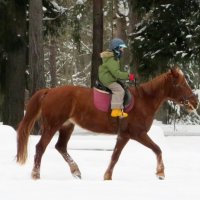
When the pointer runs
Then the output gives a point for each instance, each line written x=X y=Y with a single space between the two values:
x=185 y=100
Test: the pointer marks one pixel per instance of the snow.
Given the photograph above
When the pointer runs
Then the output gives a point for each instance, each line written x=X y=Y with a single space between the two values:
x=188 y=36
x=80 y=2
x=139 y=38
x=166 y=5
x=123 y=8
x=141 y=30
x=133 y=177
x=79 y=16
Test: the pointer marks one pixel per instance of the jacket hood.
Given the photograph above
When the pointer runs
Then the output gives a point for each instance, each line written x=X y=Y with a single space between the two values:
x=107 y=54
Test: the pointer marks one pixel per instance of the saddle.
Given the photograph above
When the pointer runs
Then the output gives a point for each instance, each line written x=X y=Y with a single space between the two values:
x=102 y=97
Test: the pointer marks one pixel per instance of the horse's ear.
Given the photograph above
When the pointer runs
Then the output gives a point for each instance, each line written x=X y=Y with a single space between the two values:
x=175 y=72
x=176 y=66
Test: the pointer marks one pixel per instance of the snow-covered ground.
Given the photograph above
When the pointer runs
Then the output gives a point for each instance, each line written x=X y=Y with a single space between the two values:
x=133 y=178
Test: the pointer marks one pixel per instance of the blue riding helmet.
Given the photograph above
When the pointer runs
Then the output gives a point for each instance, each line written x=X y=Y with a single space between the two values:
x=117 y=43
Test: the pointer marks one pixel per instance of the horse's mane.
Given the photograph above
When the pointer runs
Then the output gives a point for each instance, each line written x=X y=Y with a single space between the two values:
x=154 y=84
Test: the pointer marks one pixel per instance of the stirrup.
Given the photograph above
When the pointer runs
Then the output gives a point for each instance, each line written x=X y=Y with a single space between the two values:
x=123 y=114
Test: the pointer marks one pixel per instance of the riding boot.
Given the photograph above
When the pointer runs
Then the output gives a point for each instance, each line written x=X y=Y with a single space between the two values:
x=118 y=113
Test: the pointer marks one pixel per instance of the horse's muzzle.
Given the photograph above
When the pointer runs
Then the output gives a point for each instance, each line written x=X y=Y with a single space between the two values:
x=191 y=103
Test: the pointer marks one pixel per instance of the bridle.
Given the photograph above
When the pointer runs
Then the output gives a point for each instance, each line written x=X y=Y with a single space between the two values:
x=185 y=100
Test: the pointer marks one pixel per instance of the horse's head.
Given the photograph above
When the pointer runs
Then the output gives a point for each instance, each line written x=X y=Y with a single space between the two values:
x=180 y=91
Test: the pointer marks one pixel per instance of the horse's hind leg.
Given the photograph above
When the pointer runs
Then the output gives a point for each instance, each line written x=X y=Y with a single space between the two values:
x=61 y=145
x=46 y=137
x=144 y=139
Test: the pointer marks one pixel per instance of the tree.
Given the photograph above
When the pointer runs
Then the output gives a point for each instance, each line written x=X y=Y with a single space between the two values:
x=134 y=18
x=55 y=25
x=2 y=54
x=52 y=62
x=15 y=52
x=120 y=23
x=97 y=38
x=167 y=34
x=69 y=24
x=36 y=53
x=120 y=26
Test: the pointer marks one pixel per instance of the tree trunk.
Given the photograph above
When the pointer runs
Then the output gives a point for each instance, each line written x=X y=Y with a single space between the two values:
x=134 y=19
x=120 y=29
x=97 y=38
x=119 y=22
x=3 y=13
x=2 y=85
x=52 y=60
x=13 y=110
x=36 y=52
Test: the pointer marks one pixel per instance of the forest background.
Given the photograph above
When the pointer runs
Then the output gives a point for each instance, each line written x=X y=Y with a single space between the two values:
x=47 y=43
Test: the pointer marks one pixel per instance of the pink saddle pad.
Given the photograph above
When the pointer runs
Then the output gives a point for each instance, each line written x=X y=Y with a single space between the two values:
x=102 y=100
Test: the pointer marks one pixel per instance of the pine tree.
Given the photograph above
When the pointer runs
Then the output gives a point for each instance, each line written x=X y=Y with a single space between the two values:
x=166 y=35
x=14 y=48
x=36 y=53
x=97 y=38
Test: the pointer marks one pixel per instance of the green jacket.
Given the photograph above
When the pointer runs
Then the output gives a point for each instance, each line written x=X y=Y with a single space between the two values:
x=109 y=71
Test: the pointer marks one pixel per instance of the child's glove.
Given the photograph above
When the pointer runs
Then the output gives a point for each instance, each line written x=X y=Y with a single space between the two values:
x=131 y=77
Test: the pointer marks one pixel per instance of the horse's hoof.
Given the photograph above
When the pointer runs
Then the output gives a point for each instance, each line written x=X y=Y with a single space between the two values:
x=160 y=176
x=75 y=171
x=107 y=177
x=35 y=175
x=77 y=175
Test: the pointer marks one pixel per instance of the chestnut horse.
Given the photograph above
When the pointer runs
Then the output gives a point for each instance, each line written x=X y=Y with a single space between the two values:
x=61 y=108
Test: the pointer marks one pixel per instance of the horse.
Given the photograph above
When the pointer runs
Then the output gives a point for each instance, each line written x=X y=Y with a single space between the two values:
x=61 y=108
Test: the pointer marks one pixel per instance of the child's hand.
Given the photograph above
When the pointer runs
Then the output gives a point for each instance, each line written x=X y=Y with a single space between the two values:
x=131 y=77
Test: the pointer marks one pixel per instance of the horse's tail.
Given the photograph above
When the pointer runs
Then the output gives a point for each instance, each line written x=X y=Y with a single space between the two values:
x=27 y=123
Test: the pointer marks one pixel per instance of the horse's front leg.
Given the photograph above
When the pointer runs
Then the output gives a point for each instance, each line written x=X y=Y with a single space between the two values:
x=160 y=167
x=144 y=139
x=121 y=142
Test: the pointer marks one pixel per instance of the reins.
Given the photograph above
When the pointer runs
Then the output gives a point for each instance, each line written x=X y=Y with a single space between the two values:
x=184 y=99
